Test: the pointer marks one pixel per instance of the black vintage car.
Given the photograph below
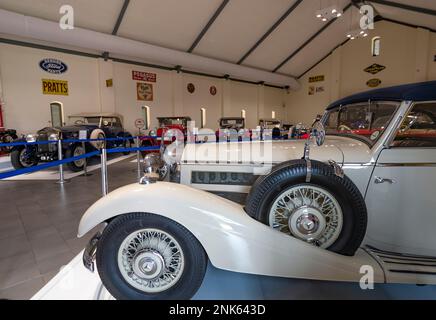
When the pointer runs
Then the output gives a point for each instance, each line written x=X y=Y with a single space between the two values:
x=84 y=126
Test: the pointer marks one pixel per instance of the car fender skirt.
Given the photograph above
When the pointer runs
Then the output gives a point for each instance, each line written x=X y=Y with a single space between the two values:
x=232 y=240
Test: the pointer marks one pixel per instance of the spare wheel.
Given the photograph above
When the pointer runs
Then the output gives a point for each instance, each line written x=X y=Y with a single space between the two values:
x=97 y=134
x=321 y=208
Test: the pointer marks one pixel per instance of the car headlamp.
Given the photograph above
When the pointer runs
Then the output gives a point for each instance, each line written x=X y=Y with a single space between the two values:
x=154 y=169
x=53 y=137
x=152 y=133
x=30 y=138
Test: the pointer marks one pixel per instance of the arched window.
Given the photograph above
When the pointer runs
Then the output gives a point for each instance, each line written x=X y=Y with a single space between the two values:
x=146 y=114
x=203 y=117
x=243 y=113
x=273 y=115
x=376 y=46
x=57 y=114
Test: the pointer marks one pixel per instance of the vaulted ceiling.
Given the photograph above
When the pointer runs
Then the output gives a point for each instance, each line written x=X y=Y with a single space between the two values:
x=282 y=36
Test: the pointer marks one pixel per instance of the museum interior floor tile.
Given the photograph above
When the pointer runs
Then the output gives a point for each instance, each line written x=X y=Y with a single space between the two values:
x=38 y=226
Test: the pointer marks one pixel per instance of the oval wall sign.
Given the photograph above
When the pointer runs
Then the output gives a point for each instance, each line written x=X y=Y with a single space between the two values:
x=373 y=83
x=53 y=66
x=213 y=90
x=191 y=88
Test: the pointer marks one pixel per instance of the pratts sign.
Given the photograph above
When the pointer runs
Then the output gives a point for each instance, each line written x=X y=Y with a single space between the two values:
x=55 y=87
x=53 y=66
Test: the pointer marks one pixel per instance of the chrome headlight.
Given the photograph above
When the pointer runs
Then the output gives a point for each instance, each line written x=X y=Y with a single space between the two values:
x=152 y=133
x=30 y=138
x=154 y=168
x=53 y=137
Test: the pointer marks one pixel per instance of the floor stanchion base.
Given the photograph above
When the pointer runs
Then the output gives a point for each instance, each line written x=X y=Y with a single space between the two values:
x=63 y=182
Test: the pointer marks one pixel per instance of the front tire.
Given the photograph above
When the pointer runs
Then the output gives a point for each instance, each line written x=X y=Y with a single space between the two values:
x=19 y=161
x=127 y=144
x=328 y=212
x=142 y=256
x=74 y=151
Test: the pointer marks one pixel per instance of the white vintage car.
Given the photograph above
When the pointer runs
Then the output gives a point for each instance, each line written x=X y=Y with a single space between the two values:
x=361 y=199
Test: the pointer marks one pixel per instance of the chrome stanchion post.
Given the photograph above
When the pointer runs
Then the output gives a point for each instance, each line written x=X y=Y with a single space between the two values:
x=138 y=158
x=61 y=167
x=104 y=181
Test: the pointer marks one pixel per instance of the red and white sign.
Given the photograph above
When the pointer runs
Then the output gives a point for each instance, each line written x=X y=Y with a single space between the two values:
x=144 y=76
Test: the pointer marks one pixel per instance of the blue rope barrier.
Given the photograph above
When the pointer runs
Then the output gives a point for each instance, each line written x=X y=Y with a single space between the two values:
x=51 y=164
x=14 y=144
x=47 y=165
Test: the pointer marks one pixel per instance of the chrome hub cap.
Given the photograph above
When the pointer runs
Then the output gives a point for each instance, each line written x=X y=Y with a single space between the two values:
x=306 y=223
x=151 y=260
x=148 y=265
x=309 y=213
x=23 y=159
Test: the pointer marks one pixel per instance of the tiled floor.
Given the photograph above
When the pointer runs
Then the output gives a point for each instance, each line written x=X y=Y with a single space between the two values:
x=38 y=227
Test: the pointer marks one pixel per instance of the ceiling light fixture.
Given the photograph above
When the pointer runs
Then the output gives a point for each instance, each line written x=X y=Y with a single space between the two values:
x=355 y=34
x=329 y=13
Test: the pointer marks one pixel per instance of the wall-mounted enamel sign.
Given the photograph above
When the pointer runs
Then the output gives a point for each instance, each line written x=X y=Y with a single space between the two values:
x=191 y=88
x=53 y=66
x=144 y=76
x=375 y=68
x=317 y=79
x=373 y=83
x=213 y=90
x=55 y=87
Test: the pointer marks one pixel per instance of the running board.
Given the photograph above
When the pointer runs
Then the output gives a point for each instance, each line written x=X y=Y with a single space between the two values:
x=405 y=268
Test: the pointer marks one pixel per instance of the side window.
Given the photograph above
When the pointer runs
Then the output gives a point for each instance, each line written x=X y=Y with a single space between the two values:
x=332 y=121
x=418 y=128
x=117 y=123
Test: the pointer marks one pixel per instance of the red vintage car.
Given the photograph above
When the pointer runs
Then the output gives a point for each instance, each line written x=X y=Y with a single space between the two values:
x=165 y=124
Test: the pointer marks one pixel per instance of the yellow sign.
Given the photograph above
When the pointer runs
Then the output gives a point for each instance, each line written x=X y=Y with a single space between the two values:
x=55 y=87
x=373 y=83
x=316 y=79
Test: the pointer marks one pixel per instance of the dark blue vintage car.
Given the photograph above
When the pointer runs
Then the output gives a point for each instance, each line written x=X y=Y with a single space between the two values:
x=83 y=126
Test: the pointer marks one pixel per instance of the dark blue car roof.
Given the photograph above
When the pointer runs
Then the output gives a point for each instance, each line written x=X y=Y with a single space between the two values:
x=423 y=91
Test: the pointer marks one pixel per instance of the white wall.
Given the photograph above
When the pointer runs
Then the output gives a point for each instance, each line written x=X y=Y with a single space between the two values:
x=24 y=105
x=408 y=54
x=26 y=108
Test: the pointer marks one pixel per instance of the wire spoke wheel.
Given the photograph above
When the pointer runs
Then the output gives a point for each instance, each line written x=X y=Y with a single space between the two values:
x=79 y=151
x=309 y=213
x=151 y=260
x=24 y=160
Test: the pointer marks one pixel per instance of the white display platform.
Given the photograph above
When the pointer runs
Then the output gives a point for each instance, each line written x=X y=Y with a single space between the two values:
x=75 y=282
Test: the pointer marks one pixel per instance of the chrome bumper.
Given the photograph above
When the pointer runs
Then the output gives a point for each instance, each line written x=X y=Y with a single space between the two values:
x=90 y=252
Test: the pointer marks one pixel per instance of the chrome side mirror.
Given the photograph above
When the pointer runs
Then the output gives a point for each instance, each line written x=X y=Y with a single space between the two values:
x=318 y=133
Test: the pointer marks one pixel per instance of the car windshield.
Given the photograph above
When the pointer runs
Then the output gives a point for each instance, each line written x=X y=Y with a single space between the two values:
x=85 y=120
x=269 y=123
x=232 y=123
x=173 y=121
x=366 y=121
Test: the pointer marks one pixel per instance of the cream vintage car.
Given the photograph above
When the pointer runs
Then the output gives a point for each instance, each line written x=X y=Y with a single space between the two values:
x=359 y=199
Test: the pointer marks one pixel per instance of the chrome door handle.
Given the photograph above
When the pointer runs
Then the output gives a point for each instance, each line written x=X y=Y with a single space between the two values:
x=379 y=180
